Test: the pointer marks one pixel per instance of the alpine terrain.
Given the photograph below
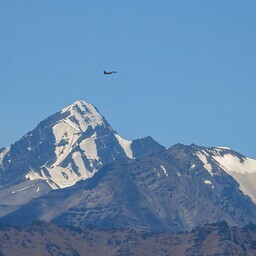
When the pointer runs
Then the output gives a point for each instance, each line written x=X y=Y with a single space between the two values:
x=68 y=146
x=74 y=169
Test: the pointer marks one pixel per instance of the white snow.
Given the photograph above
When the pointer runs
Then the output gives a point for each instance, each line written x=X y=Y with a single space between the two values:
x=57 y=177
x=80 y=165
x=67 y=121
x=3 y=154
x=232 y=163
x=192 y=166
x=64 y=132
x=207 y=182
x=89 y=147
x=244 y=172
x=223 y=148
x=55 y=180
x=18 y=190
x=60 y=177
x=32 y=175
x=38 y=189
x=126 y=145
x=85 y=114
x=77 y=118
x=164 y=170
x=202 y=155
x=52 y=184
x=68 y=131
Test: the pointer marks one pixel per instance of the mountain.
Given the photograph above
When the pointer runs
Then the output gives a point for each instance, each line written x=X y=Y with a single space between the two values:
x=46 y=239
x=74 y=169
x=69 y=146
x=175 y=190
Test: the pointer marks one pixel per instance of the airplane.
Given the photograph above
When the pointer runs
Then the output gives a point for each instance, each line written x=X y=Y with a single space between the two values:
x=109 y=73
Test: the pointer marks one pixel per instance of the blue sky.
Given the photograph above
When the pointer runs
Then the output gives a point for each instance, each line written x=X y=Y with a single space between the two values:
x=186 y=69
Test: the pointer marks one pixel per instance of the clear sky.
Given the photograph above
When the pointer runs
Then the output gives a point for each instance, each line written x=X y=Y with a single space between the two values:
x=186 y=69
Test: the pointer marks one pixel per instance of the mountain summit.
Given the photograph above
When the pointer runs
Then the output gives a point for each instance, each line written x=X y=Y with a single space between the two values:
x=71 y=145
x=74 y=169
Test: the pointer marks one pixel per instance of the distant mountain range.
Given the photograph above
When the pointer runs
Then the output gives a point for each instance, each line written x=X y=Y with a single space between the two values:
x=74 y=169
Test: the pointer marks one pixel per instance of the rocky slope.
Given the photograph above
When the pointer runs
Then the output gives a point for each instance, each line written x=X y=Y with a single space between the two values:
x=69 y=146
x=175 y=190
x=47 y=239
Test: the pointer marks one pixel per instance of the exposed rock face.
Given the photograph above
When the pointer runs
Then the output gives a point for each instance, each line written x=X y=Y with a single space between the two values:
x=172 y=190
x=68 y=146
x=74 y=169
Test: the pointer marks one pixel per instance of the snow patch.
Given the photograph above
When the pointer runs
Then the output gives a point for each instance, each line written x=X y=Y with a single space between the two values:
x=67 y=134
x=232 y=163
x=223 y=148
x=192 y=166
x=58 y=179
x=85 y=115
x=18 y=190
x=81 y=115
x=3 y=154
x=202 y=156
x=85 y=174
x=164 y=170
x=126 y=145
x=242 y=170
x=207 y=182
x=89 y=147
x=32 y=175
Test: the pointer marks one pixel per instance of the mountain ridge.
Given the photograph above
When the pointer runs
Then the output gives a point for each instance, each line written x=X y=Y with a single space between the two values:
x=74 y=169
x=170 y=190
x=68 y=146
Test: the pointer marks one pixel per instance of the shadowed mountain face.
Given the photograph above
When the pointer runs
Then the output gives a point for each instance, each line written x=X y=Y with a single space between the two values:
x=47 y=239
x=174 y=190
x=68 y=146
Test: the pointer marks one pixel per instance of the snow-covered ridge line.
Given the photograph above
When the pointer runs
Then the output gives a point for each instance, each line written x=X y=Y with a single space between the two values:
x=85 y=114
x=126 y=145
x=69 y=132
x=241 y=168
x=223 y=148
x=202 y=155
x=232 y=163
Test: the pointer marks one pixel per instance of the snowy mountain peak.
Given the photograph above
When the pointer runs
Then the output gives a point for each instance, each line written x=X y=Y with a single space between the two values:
x=81 y=115
x=78 y=105
x=68 y=146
